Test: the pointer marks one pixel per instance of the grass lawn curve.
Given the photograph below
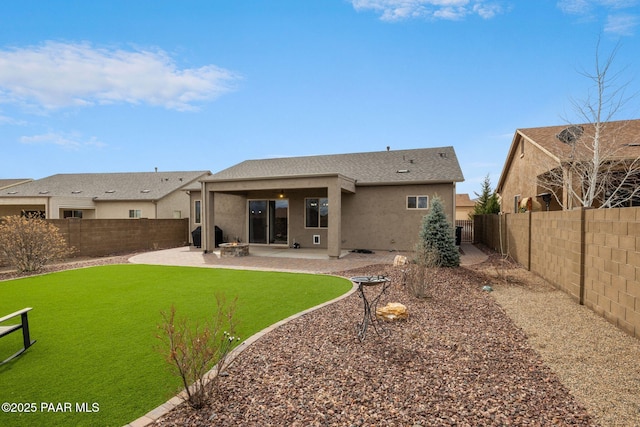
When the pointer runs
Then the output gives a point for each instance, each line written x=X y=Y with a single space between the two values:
x=96 y=360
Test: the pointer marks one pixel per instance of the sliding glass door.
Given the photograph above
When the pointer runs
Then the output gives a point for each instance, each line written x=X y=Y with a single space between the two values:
x=269 y=221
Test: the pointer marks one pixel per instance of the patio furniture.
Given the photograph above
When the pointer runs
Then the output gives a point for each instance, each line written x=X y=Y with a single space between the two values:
x=24 y=325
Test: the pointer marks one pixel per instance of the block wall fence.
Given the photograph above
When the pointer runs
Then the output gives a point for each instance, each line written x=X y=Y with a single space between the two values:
x=102 y=237
x=593 y=255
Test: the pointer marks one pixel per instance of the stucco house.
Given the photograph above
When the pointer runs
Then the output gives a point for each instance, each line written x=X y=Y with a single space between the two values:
x=536 y=153
x=373 y=200
x=102 y=195
x=464 y=206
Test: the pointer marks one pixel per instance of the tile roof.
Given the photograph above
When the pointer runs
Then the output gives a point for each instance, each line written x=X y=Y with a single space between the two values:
x=106 y=186
x=619 y=137
x=380 y=167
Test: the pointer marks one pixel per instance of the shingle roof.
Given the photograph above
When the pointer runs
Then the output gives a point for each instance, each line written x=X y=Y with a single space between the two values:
x=619 y=137
x=6 y=183
x=380 y=167
x=106 y=186
x=464 y=200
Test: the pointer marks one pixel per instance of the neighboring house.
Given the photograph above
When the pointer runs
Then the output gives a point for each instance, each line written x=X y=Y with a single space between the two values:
x=464 y=206
x=6 y=183
x=536 y=153
x=102 y=195
x=373 y=201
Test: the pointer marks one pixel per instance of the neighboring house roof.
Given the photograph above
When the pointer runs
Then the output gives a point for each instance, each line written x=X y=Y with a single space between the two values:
x=619 y=139
x=194 y=186
x=107 y=186
x=6 y=183
x=463 y=200
x=381 y=167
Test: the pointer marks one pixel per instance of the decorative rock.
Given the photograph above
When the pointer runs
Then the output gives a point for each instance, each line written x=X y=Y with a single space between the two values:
x=392 y=311
x=400 y=260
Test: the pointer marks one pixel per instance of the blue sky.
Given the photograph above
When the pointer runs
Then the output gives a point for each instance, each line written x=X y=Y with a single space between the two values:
x=127 y=86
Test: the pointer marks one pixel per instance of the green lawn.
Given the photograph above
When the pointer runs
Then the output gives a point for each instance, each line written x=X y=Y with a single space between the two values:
x=96 y=332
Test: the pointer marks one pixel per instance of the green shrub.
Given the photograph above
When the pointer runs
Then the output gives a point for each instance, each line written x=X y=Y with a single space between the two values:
x=437 y=241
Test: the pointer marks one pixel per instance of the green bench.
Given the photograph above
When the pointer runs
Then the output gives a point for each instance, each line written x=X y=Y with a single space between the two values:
x=24 y=325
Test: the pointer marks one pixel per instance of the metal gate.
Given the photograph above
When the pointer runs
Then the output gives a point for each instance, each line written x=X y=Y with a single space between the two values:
x=467 y=229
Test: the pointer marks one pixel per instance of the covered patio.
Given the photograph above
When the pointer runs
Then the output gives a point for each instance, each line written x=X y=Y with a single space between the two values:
x=275 y=212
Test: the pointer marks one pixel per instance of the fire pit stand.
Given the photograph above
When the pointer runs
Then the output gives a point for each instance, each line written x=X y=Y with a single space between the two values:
x=233 y=250
x=370 y=304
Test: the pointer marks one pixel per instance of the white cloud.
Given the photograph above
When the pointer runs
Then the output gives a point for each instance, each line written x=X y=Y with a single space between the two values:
x=575 y=6
x=73 y=141
x=622 y=24
x=583 y=7
x=617 y=22
x=6 y=120
x=56 y=75
x=397 y=10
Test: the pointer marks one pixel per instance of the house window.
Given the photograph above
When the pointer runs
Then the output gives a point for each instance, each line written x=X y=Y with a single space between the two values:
x=197 y=212
x=417 y=202
x=135 y=213
x=317 y=213
x=72 y=214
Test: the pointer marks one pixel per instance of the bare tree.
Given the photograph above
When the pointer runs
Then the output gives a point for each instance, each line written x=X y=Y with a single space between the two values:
x=29 y=242
x=598 y=165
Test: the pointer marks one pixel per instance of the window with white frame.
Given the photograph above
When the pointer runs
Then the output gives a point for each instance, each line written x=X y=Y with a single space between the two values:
x=72 y=214
x=417 y=202
x=316 y=212
x=135 y=213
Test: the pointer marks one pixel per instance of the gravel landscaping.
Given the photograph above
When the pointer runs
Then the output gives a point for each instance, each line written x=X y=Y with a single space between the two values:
x=458 y=360
x=524 y=354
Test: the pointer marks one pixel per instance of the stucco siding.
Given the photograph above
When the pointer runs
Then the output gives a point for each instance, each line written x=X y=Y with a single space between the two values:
x=520 y=179
x=120 y=210
x=173 y=206
x=376 y=218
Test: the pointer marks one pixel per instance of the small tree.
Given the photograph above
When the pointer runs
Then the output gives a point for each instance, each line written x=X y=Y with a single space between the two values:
x=437 y=238
x=487 y=200
x=29 y=242
x=193 y=349
x=597 y=168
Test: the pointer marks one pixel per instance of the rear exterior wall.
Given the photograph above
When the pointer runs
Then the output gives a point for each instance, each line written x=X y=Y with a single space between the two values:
x=377 y=218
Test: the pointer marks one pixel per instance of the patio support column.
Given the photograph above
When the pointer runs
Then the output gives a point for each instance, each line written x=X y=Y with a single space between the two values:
x=334 y=233
x=208 y=220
